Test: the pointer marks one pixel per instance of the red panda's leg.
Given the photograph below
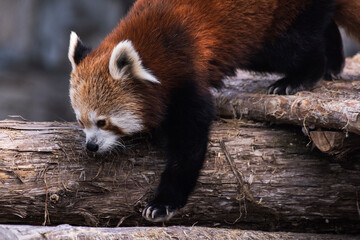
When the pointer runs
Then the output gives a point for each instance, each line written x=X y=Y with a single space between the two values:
x=335 y=59
x=186 y=128
x=326 y=60
x=304 y=75
x=300 y=52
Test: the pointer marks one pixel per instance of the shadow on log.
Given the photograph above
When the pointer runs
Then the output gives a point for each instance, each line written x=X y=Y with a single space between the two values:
x=255 y=177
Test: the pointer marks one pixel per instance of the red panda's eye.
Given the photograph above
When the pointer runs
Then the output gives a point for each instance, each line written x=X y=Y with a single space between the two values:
x=101 y=123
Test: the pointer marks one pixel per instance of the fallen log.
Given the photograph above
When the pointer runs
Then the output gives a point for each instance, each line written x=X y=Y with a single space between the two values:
x=255 y=177
x=331 y=106
x=13 y=232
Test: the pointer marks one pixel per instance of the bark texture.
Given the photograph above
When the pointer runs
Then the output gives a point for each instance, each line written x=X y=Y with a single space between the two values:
x=11 y=232
x=255 y=177
x=331 y=105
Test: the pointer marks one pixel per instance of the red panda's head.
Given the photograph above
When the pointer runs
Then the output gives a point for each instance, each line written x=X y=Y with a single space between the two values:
x=105 y=92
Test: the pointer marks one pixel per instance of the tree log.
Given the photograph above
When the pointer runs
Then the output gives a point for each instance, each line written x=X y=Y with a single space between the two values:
x=255 y=177
x=14 y=232
x=338 y=144
x=331 y=105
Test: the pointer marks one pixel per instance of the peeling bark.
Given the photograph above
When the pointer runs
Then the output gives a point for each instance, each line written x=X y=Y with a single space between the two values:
x=255 y=177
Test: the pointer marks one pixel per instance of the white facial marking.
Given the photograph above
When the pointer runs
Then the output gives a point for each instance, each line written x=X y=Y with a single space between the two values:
x=72 y=94
x=126 y=48
x=106 y=140
x=92 y=117
x=77 y=113
x=74 y=39
x=128 y=122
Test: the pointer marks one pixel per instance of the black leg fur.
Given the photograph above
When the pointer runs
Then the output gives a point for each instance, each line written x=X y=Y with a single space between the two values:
x=300 y=53
x=335 y=59
x=187 y=128
x=307 y=74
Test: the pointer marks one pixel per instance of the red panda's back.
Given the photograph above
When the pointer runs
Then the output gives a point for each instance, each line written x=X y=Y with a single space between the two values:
x=216 y=36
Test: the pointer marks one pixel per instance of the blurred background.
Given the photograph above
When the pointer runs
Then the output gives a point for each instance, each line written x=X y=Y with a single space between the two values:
x=34 y=37
x=34 y=40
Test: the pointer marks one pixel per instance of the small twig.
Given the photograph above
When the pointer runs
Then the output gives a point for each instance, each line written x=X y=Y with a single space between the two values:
x=122 y=220
x=345 y=128
x=18 y=116
x=237 y=174
x=304 y=125
x=99 y=171
x=65 y=153
x=244 y=193
x=46 y=212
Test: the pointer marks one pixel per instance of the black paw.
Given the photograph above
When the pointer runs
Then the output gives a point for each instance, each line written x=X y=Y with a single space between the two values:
x=158 y=212
x=285 y=86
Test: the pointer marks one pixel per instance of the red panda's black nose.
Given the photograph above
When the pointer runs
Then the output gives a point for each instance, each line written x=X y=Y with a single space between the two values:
x=93 y=147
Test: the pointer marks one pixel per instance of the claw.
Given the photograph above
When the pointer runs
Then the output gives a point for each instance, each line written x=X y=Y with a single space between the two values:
x=276 y=90
x=146 y=212
x=153 y=214
x=288 y=90
x=270 y=90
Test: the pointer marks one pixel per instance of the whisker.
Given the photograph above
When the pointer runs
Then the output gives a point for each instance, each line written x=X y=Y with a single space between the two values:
x=121 y=143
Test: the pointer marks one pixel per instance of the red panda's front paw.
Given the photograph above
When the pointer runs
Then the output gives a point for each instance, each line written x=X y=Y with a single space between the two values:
x=158 y=212
x=287 y=86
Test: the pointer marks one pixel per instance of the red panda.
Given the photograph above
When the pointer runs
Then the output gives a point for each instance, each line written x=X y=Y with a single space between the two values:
x=155 y=69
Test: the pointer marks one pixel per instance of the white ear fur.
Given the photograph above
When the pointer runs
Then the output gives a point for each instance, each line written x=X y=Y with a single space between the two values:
x=132 y=63
x=74 y=39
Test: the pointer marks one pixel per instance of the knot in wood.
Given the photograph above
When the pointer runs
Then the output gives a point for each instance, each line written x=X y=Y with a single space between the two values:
x=54 y=198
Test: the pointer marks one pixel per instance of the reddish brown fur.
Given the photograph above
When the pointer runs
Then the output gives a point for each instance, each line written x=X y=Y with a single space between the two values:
x=347 y=15
x=213 y=26
x=209 y=37
x=111 y=127
x=227 y=32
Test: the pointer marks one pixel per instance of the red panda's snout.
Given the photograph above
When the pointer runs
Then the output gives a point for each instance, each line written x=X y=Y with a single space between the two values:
x=101 y=140
x=103 y=133
x=92 y=147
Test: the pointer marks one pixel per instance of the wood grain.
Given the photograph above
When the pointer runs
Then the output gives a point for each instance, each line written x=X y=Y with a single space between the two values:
x=255 y=177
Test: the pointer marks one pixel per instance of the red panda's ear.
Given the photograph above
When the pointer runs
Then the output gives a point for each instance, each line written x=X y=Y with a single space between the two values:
x=77 y=50
x=125 y=62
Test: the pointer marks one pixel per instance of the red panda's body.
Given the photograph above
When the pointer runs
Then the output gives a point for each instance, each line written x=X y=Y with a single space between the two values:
x=207 y=38
x=203 y=31
x=156 y=67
